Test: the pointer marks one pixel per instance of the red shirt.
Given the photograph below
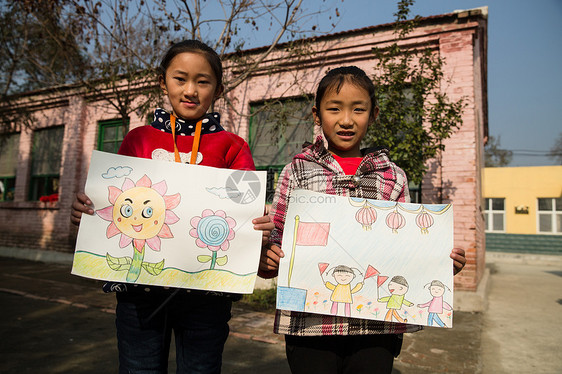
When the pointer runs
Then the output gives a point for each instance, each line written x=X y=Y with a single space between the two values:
x=222 y=149
x=348 y=164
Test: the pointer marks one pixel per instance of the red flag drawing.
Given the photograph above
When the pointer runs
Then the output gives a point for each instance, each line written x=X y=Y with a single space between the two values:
x=381 y=279
x=307 y=233
x=322 y=267
x=371 y=271
x=312 y=233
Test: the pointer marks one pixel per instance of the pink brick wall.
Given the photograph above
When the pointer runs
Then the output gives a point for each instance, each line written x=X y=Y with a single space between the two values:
x=460 y=40
x=462 y=161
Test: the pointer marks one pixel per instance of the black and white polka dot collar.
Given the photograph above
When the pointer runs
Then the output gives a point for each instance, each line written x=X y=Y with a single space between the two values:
x=211 y=124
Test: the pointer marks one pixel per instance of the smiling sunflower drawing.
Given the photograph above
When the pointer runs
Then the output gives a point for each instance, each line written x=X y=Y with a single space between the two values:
x=141 y=212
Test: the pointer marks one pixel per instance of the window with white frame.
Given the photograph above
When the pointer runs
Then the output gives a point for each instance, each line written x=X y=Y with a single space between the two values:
x=549 y=215
x=494 y=214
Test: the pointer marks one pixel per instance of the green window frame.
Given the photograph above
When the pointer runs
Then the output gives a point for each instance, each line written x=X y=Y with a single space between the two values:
x=46 y=156
x=278 y=129
x=273 y=175
x=9 y=146
x=111 y=134
x=415 y=192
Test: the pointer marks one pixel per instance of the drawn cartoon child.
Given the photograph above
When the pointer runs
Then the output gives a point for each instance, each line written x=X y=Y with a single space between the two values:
x=437 y=304
x=342 y=291
x=398 y=286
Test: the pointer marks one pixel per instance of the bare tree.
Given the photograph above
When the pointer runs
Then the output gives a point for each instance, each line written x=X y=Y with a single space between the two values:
x=37 y=49
x=115 y=45
x=224 y=25
x=122 y=48
x=494 y=155
x=556 y=150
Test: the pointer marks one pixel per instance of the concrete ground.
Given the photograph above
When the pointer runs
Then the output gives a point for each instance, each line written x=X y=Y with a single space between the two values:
x=522 y=327
x=53 y=322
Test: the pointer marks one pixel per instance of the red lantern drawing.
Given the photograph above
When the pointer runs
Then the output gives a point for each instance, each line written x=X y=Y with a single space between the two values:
x=395 y=221
x=424 y=221
x=366 y=216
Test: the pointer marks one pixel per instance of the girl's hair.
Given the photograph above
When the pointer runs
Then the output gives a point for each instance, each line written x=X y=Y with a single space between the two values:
x=335 y=78
x=343 y=269
x=437 y=283
x=194 y=46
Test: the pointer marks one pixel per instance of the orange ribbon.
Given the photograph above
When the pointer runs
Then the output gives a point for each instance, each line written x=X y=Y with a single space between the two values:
x=196 y=140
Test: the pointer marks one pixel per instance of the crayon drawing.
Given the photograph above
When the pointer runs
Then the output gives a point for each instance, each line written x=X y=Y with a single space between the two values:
x=213 y=231
x=375 y=259
x=170 y=224
x=141 y=213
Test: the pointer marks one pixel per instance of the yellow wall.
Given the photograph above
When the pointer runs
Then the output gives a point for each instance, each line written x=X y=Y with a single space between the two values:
x=522 y=186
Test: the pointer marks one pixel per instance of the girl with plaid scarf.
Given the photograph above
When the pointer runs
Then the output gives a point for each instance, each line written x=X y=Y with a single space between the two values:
x=335 y=164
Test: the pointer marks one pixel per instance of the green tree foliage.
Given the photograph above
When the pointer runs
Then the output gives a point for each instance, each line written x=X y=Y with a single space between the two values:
x=415 y=116
x=494 y=155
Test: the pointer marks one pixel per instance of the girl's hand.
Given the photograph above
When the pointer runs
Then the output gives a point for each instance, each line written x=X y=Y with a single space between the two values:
x=264 y=224
x=457 y=254
x=80 y=205
x=269 y=261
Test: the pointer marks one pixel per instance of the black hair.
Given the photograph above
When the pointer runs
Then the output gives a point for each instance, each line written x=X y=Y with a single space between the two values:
x=194 y=46
x=437 y=283
x=400 y=280
x=335 y=78
x=343 y=269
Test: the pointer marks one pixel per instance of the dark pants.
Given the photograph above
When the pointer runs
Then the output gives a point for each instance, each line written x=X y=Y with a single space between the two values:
x=199 y=322
x=342 y=354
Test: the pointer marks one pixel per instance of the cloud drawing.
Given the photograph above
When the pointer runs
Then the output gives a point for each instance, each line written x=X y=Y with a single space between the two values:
x=117 y=172
x=224 y=192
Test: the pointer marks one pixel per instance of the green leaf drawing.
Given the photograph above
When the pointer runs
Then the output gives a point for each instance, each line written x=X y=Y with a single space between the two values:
x=204 y=258
x=153 y=269
x=221 y=261
x=118 y=263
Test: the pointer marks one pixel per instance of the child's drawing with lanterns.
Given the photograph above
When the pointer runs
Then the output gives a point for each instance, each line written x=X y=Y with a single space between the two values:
x=374 y=259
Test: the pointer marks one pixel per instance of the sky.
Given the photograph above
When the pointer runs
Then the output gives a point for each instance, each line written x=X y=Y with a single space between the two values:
x=524 y=64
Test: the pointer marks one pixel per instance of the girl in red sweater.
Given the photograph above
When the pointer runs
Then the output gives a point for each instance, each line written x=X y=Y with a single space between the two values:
x=191 y=77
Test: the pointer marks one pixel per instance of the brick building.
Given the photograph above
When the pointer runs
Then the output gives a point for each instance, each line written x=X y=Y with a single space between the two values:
x=42 y=168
